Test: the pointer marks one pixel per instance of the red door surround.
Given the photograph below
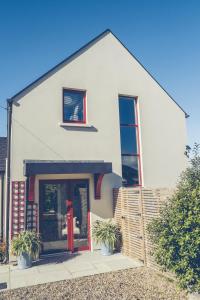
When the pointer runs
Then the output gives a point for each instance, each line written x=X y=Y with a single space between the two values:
x=77 y=191
x=69 y=222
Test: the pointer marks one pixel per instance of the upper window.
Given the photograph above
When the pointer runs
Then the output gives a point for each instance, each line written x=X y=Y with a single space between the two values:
x=74 y=106
x=127 y=110
x=129 y=143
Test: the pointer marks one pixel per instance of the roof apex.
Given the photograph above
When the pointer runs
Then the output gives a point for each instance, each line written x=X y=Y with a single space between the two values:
x=46 y=75
x=43 y=77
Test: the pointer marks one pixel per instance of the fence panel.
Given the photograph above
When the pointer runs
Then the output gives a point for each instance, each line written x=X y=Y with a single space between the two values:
x=134 y=208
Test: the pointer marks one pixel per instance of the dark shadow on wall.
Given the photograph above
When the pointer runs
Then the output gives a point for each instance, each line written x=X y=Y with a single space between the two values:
x=79 y=128
x=103 y=208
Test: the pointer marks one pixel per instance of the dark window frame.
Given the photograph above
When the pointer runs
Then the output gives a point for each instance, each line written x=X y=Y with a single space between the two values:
x=136 y=126
x=84 y=106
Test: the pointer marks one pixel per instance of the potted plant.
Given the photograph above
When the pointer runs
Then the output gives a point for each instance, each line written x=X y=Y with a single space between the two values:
x=26 y=247
x=106 y=234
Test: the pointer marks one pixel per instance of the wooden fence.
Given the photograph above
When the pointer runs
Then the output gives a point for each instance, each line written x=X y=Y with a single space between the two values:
x=134 y=208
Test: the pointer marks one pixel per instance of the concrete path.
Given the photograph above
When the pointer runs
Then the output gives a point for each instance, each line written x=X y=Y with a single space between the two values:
x=64 y=266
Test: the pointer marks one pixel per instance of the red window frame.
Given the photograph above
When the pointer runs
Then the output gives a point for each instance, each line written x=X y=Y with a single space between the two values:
x=136 y=125
x=84 y=106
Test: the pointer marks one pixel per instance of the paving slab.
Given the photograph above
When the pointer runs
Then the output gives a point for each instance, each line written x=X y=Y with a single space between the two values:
x=84 y=273
x=5 y=279
x=121 y=264
x=53 y=276
x=102 y=267
x=64 y=266
x=77 y=267
x=4 y=268
x=50 y=268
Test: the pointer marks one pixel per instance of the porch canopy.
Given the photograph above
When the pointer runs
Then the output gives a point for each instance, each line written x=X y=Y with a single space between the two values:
x=97 y=168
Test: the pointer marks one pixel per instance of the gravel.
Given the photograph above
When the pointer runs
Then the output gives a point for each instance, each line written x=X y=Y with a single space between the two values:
x=131 y=284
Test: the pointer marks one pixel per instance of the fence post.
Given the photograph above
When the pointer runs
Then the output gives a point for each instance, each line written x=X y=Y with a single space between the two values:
x=141 y=205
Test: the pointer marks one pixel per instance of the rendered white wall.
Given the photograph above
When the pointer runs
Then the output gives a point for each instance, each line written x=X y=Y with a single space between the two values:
x=104 y=71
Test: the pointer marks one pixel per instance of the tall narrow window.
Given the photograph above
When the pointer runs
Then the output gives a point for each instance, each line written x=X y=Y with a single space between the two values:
x=74 y=106
x=129 y=144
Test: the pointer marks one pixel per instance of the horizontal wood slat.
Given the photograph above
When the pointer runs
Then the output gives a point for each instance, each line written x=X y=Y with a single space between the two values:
x=134 y=208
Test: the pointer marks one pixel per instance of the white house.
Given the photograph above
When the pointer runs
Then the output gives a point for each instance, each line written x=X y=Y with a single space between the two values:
x=96 y=121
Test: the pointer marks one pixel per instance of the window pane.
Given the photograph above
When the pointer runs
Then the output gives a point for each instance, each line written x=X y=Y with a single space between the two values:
x=126 y=110
x=130 y=174
x=128 y=140
x=80 y=214
x=73 y=106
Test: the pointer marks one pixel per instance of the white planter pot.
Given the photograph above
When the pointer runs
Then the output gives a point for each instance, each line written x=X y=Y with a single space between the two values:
x=24 y=261
x=106 y=249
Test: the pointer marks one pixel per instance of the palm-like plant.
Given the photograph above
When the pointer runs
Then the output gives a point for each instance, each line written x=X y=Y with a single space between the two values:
x=26 y=242
x=106 y=232
x=2 y=250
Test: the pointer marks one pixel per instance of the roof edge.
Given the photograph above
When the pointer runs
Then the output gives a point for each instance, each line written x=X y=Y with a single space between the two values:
x=47 y=74
x=186 y=115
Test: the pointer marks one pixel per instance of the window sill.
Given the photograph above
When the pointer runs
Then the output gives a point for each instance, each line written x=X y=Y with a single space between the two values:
x=76 y=125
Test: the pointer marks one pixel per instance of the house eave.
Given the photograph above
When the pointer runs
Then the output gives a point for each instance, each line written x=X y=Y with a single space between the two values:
x=67 y=60
x=38 y=167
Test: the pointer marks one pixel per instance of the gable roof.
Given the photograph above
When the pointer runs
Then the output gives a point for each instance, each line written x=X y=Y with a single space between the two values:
x=3 y=153
x=74 y=55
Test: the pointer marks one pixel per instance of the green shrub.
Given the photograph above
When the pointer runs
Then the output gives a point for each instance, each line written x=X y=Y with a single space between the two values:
x=2 y=250
x=176 y=233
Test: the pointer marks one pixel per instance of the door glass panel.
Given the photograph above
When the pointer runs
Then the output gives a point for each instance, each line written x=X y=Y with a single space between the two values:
x=53 y=226
x=80 y=215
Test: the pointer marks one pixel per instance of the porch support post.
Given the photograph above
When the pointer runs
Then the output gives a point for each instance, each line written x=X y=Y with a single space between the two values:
x=98 y=178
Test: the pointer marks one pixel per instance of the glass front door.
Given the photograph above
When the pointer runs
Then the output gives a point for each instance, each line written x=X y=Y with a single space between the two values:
x=53 y=220
x=64 y=211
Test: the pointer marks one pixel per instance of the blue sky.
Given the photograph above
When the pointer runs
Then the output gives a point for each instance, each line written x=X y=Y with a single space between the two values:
x=163 y=35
